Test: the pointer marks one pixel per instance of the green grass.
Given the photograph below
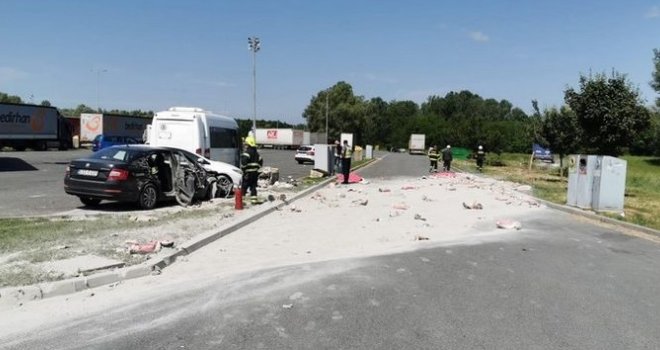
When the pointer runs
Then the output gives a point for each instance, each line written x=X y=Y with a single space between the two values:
x=642 y=201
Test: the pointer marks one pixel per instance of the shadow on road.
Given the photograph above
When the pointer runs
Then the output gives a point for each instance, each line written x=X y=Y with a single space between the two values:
x=15 y=164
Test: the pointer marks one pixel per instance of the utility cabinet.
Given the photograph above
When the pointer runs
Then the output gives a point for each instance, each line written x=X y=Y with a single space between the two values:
x=323 y=158
x=609 y=184
x=596 y=182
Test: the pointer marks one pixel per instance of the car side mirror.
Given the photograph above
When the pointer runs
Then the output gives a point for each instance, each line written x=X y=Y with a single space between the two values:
x=202 y=161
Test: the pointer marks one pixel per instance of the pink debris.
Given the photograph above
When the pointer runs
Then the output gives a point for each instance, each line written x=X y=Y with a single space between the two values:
x=508 y=224
x=444 y=174
x=400 y=206
x=408 y=187
x=145 y=248
x=353 y=178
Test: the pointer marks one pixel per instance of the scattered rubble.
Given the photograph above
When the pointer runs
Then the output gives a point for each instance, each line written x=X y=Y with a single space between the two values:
x=419 y=217
x=508 y=224
x=400 y=206
x=474 y=205
x=143 y=248
x=421 y=238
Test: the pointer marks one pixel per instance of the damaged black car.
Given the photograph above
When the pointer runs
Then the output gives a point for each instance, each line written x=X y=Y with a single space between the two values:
x=140 y=174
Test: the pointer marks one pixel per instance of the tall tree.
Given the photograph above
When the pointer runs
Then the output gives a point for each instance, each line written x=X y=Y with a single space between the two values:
x=609 y=112
x=561 y=131
x=655 y=83
x=346 y=112
x=5 y=98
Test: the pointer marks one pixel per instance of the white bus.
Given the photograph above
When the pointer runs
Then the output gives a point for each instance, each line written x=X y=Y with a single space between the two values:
x=196 y=130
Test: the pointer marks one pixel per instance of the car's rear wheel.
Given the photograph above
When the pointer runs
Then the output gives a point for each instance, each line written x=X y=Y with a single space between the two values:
x=89 y=201
x=148 y=196
x=300 y=162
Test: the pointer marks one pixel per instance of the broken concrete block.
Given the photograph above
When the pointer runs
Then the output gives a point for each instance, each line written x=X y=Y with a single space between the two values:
x=419 y=217
x=508 y=224
x=474 y=205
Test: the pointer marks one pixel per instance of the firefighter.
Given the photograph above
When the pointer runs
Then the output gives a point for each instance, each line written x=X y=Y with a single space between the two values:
x=480 y=156
x=346 y=155
x=447 y=157
x=433 y=158
x=251 y=163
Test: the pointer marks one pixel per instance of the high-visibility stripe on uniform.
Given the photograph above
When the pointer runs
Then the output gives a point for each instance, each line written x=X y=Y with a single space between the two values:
x=347 y=152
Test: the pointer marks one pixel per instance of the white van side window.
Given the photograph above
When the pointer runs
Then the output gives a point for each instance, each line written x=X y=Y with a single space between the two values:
x=223 y=138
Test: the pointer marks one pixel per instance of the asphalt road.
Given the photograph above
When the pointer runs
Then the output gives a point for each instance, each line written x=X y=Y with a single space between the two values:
x=31 y=183
x=563 y=283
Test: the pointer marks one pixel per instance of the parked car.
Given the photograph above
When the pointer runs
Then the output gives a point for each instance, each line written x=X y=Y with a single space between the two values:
x=138 y=173
x=227 y=176
x=305 y=154
x=100 y=141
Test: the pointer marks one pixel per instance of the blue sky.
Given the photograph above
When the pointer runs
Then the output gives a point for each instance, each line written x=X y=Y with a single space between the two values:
x=157 y=54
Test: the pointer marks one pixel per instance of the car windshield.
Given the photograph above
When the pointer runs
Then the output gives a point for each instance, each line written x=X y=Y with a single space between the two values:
x=118 y=154
x=304 y=149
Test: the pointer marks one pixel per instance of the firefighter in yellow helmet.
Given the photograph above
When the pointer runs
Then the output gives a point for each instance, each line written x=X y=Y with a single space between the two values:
x=251 y=163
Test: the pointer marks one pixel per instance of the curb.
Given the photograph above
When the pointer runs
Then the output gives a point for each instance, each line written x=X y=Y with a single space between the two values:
x=16 y=296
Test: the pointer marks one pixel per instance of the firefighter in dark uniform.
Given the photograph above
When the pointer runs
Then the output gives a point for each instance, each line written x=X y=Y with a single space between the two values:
x=447 y=157
x=251 y=163
x=433 y=158
x=480 y=156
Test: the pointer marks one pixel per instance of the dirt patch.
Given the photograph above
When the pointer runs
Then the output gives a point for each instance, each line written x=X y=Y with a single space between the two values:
x=29 y=245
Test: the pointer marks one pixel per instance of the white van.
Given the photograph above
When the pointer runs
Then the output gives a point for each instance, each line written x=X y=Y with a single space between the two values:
x=198 y=131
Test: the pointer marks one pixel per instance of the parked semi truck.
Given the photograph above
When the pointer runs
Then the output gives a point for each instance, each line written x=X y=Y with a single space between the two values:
x=94 y=124
x=312 y=138
x=30 y=126
x=417 y=144
x=280 y=138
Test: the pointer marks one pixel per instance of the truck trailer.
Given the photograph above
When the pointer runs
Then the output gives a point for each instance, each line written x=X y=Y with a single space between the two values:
x=30 y=126
x=279 y=138
x=417 y=144
x=94 y=124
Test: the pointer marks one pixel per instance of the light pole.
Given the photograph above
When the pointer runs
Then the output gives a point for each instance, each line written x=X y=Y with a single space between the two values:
x=327 y=93
x=254 y=46
x=98 y=85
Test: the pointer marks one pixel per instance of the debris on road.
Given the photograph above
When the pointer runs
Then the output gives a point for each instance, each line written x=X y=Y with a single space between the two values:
x=408 y=187
x=421 y=238
x=474 y=205
x=143 y=248
x=384 y=190
x=508 y=224
x=400 y=206
x=419 y=217
x=287 y=306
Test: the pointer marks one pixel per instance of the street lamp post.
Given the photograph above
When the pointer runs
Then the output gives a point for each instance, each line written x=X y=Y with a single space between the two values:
x=254 y=46
x=326 y=115
x=98 y=86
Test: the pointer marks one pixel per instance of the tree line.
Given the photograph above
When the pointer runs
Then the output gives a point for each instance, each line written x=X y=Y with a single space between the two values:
x=603 y=115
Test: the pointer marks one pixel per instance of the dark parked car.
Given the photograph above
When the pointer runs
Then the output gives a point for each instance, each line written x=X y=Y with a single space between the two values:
x=100 y=141
x=138 y=173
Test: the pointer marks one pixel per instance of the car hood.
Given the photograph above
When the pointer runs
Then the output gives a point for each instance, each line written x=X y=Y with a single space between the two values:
x=223 y=168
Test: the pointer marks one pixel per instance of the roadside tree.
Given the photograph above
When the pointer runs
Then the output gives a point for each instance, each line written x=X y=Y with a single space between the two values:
x=609 y=111
x=560 y=129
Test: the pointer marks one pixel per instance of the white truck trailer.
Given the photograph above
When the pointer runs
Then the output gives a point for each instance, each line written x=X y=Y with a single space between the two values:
x=417 y=144
x=94 y=124
x=279 y=138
